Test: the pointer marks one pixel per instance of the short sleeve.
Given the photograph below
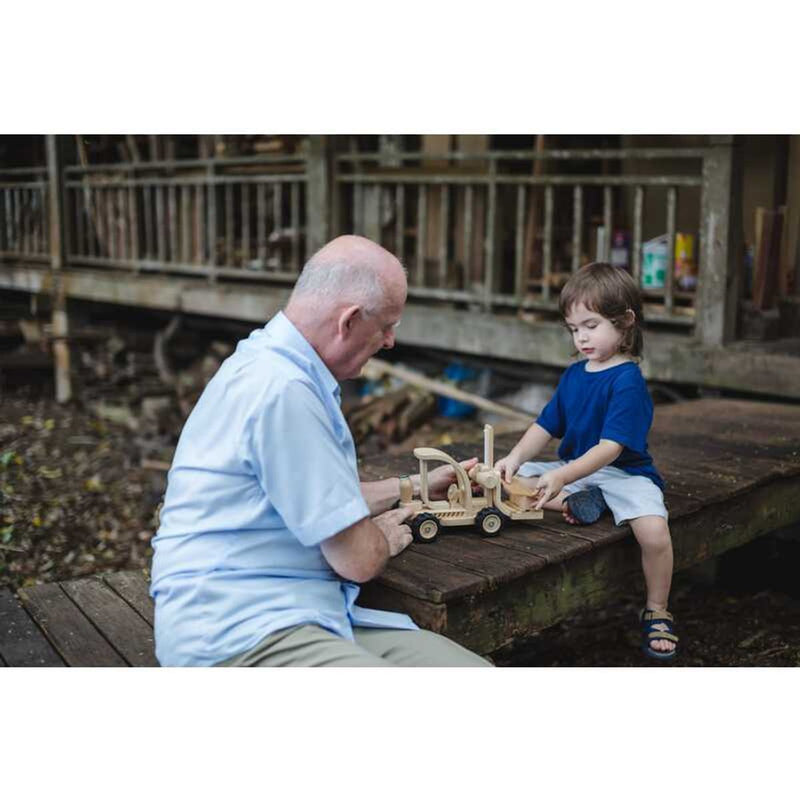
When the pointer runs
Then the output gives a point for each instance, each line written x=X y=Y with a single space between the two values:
x=551 y=417
x=629 y=416
x=303 y=466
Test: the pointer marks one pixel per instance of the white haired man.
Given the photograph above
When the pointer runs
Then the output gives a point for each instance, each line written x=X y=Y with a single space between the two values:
x=266 y=531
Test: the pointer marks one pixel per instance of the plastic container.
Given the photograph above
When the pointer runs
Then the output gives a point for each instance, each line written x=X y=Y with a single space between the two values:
x=620 y=250
x=685 y=263
x=655 y=257
x=448 y=407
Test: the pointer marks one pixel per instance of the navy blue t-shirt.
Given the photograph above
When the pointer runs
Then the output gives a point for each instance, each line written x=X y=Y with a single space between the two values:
x=611 y=404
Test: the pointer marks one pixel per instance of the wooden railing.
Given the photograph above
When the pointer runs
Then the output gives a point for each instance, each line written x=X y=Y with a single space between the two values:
x=487 y=230
x=240 y=218
x=24 y=232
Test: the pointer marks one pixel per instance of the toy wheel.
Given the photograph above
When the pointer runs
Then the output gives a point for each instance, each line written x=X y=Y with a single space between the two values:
x=424 y=528
x=490 y=521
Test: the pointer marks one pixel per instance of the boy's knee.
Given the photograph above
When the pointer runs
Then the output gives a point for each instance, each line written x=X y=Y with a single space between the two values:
x=652 y=532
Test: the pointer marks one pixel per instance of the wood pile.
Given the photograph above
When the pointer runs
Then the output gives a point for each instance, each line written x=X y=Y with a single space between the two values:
x=391 y=417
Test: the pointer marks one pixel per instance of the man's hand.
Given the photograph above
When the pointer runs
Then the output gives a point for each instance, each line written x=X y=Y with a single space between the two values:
x=549 y=485
x=439 y=479
x=508 y=467
x=398 y=536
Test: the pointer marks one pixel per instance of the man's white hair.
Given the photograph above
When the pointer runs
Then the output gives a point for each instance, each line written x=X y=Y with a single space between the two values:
x=340 y=281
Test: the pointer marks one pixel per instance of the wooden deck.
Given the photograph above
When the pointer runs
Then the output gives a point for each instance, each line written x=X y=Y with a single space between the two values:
x=733 y=473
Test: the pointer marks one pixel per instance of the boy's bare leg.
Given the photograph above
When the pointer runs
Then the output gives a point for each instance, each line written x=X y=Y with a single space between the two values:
x=652 y=533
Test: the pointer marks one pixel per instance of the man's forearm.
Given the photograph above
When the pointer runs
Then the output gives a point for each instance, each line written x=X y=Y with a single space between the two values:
x=380 y=496
x=359 y=553
x=601 y=455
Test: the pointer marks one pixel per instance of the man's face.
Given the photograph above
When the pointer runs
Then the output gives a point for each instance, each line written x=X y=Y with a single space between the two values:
x=370 y=333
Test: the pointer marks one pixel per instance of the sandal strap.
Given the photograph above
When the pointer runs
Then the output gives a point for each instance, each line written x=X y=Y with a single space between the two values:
x=653 y=635
x=648 y=615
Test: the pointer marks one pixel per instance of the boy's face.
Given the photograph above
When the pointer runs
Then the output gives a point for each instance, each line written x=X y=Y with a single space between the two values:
x=594 y=335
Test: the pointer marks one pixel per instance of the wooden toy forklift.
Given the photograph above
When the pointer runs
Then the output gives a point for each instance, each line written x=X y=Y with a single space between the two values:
x=489 y=513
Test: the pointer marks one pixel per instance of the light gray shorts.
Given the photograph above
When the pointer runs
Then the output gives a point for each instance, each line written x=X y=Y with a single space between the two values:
x=627 y=496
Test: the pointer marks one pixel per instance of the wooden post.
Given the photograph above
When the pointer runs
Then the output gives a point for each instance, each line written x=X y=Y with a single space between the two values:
x=60 y=319
x=718 y=281
x=317 y=194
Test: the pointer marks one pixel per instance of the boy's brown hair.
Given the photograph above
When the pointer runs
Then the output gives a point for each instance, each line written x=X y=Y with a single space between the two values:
x=611 y=292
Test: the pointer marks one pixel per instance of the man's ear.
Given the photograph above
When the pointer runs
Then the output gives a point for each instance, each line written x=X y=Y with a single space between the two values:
x=347 y=318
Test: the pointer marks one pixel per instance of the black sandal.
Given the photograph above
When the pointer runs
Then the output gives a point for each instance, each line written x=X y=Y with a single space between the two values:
x=657 y=625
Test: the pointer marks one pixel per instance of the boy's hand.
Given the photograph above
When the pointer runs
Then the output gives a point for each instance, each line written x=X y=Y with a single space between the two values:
x=549 y=486
x=508 y=467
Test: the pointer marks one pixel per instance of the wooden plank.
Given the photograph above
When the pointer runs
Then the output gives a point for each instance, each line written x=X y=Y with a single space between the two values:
x=422 y=233
x=172 y=205
x=431 y=616
x=71 y=633
x=127 y=632
x=294 y=199
x=135 y=590
x=465 y=549
x=638 y=208
x=199 y=216
x=186 y=210
x=148 y=222
x=444 y=214
x=277 y=218
x=519 y=243
x=547 y=244
x=111 y=222
x=669 y=278
x=529 y=604
x=161 y=222
x=418 y=575
x=767 y=266
x=400 y=222
x=608 y=222
x=133 y=200
x=245 y=224
x=577 y=228
x=599 y=534
x=261 y=222
x=22 y=644
x=553 y=546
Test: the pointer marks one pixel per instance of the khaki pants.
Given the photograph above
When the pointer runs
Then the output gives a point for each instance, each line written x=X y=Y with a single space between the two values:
x=312 y=646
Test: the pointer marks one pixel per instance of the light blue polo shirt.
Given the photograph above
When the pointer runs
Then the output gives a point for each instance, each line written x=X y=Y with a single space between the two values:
x=264 y=471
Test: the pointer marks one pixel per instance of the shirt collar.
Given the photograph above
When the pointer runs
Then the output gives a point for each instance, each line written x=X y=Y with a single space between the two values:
x=282 y=330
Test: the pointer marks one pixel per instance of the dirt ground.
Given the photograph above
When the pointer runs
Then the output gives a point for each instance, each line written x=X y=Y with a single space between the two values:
x=75 y=499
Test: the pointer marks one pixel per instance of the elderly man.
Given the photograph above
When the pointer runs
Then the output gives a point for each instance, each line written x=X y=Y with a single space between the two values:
x=265 y=531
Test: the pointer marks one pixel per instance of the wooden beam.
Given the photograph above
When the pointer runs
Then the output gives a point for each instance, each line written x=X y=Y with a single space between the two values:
x=718 y=280
x=376 y=368
x=317 y=194
x=60 y=320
